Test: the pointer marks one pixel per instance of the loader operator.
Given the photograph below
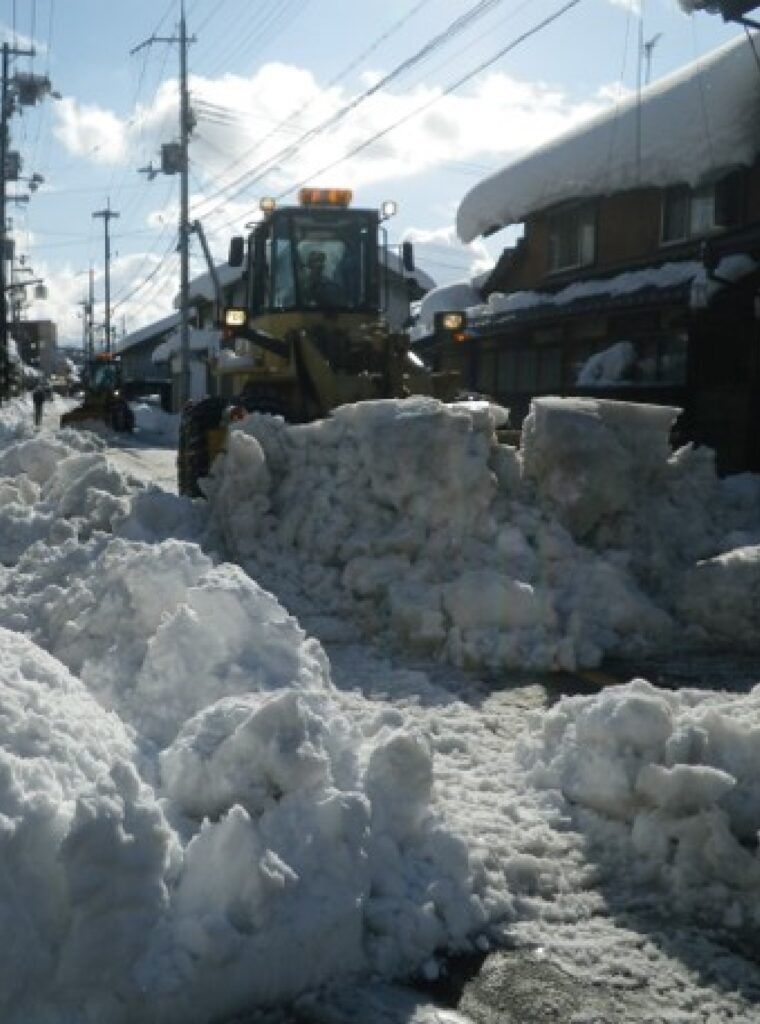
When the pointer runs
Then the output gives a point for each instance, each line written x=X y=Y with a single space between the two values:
x=319 y=288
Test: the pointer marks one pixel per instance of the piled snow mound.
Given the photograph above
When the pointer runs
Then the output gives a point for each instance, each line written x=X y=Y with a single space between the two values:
x=590 y=460
x=419 y=523
x=54 y=487
x=152 y=419
x=83 y=847
x=157 y=631
x=333 y=860
x=668 y=781
x=329 y=868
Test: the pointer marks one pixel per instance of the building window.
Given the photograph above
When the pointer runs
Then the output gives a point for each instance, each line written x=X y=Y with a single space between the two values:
x=572 y=237
x=690 y=213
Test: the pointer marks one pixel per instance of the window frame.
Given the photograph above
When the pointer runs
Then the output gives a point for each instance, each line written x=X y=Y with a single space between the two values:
x=563 y=217
x=730 y=185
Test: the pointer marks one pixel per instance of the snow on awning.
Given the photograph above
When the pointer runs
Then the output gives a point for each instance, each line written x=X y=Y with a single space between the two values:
x=684 y=283
x=204 y=340
x=695 y=123
x=152 y=330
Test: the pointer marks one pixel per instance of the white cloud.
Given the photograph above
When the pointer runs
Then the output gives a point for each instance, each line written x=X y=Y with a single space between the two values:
x=90 y=132
x=502 y=117
x=21 y=42
x=67 y=288
x=247 y=123
x=628 y=5
x=440 y=248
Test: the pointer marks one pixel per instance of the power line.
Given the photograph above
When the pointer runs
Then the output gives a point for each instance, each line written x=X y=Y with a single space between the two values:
x=256 y=173
x=452 y=88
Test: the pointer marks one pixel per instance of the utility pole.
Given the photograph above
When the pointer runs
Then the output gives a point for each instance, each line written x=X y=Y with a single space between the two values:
x=88 y=322
x=6 y=108
x=19 y=91
x=639 y=63
x=174 y=159
x=107 y=215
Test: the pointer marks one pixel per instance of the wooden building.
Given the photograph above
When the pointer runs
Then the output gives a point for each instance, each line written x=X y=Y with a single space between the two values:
x=638 y=272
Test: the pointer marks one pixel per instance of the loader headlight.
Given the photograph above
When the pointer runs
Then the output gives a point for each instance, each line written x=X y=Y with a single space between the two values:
x=235 y=317
x=450 y=321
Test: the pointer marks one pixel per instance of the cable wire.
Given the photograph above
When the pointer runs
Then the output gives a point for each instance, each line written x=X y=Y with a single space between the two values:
x=451 y=88
x=256 y=173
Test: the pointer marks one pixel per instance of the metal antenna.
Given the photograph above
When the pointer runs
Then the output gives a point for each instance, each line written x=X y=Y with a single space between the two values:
x=648 y=48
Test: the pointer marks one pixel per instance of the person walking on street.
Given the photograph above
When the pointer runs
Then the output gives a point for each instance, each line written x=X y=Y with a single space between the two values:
x=38 y=397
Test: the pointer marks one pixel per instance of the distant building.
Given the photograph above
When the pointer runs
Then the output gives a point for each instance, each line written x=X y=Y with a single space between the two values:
x=36 y=342
x=140 y=373
x=638 y=273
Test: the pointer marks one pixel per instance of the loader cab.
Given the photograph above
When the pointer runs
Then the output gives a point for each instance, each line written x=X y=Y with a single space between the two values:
x=320 y=256
x=103 y=375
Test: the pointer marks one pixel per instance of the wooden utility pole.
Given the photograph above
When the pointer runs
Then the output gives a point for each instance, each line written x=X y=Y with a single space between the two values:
x=7 y=107
x=181 y=166
x=107 y=215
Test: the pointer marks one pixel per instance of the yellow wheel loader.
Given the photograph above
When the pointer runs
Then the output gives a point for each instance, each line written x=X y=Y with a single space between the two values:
x=312 y=332
x=103 y=401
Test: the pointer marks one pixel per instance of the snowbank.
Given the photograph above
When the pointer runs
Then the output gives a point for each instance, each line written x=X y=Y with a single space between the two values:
x=203 y=794
x=196 y=820
x=151 y=418
x=418 y=523
x=669 y=783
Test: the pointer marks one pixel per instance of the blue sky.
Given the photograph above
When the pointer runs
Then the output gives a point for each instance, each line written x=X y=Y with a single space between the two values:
x=262 y=74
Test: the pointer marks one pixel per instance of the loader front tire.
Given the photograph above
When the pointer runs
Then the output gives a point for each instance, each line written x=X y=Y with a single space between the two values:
x=263 y=398
x=193 y=450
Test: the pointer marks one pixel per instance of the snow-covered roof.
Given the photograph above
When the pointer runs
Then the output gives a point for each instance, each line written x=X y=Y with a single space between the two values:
x=199 y=340
x=695 y=123
x=395 y=264
x=202 y=287
x=152 y=330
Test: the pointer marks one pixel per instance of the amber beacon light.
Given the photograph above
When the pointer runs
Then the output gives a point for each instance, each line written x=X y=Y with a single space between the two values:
x=325 y=196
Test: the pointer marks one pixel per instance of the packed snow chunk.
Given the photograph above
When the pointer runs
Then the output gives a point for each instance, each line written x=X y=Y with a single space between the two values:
x=591 y=458
x=283 y=916
x=684 y=788
x=594 y=749
x=116 y=599
x=226 y=636
x=87 y=486
x=485 y=599
x=399 y=781
x=721 y=597
x=422 y=897
x=22 y=525
x=37 y=458
x=155 y=514
x=83 y=848
x=255 y=750
x=678 y=775
x=151 y=418
x=271 y=783
x=423 y=459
